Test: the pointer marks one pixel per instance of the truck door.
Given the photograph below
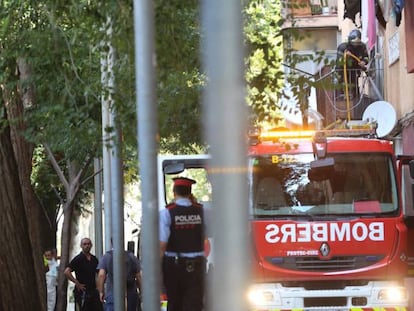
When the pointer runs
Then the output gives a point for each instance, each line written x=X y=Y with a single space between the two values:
x=406 y=171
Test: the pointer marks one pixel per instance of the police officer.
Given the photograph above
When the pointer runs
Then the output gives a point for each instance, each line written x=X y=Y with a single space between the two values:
x=182 y=249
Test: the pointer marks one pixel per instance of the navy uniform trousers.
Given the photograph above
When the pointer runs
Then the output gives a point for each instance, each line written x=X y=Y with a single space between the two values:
x=184 y=282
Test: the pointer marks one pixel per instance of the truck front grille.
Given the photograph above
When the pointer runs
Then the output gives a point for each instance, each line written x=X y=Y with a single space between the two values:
x=314 y=263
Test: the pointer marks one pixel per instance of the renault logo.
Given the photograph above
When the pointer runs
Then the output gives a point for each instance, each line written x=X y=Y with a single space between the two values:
x=324 y=249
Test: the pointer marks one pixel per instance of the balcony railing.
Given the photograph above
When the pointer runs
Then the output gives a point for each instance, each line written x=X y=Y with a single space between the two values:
x=307 y=8
x=347 y=97
x=302 y=14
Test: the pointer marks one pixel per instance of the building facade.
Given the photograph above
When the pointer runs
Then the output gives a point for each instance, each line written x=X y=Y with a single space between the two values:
x=387 y=28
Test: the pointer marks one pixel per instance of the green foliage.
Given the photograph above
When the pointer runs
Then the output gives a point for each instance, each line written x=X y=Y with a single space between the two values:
x=272 y=62
x=57 y=41
x=47 y=186
x=264 y=73
x=179 y=77
x=61 y=40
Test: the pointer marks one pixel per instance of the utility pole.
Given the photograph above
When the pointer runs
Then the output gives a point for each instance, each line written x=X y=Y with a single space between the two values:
x=113 y=172
x=106 y=138
x=98 y=207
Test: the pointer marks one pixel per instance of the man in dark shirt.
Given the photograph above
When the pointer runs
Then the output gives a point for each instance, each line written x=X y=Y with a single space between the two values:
x=84 y=265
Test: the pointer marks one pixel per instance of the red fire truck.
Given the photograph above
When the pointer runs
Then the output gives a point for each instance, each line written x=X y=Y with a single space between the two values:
x=328 y=225
x=327 y=220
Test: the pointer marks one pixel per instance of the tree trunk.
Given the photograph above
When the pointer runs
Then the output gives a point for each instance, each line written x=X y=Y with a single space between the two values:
x=18 y=205
x=23 y=151
x=19 y=289
x=66 y=238
x=72 y=186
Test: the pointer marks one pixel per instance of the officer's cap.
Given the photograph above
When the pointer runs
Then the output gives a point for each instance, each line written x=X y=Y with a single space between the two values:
x=183 y=181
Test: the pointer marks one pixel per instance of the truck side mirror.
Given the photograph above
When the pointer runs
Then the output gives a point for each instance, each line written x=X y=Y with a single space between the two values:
x=174 y=168
x=409 y=221
x=411 y=166
x=131 y=246
x=321 y=169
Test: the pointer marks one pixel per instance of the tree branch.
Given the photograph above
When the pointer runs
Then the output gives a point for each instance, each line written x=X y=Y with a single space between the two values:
x=90 y=177
x=56 y=166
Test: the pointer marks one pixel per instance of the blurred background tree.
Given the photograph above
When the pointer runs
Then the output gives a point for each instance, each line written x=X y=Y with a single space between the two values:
x=50 y=111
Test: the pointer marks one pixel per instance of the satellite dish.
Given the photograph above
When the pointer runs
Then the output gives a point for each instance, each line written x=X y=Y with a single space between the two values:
x=384 y=114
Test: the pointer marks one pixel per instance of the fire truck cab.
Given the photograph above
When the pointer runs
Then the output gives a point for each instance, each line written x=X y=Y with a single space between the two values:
x=328 y=222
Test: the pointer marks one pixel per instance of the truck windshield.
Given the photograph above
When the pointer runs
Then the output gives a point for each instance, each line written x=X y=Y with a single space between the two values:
x=285 y=185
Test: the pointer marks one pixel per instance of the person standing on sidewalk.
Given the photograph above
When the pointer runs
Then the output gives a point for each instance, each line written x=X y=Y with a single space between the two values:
x=182 y=236
x=51 y=279
x=105 y=282
x=85 y=267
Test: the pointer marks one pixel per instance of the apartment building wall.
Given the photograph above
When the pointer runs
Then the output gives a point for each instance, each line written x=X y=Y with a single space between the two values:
x=394 y=53
x=399 y=72
x=399 y=84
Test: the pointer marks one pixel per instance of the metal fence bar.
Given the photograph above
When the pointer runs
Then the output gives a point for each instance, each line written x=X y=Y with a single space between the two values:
x=225 y=119
x=98 y=208
x=147 y=150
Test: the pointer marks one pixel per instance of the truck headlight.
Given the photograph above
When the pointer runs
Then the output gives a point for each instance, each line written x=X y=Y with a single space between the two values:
x=260 y=297
x=263 y=295
x=393 y=294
